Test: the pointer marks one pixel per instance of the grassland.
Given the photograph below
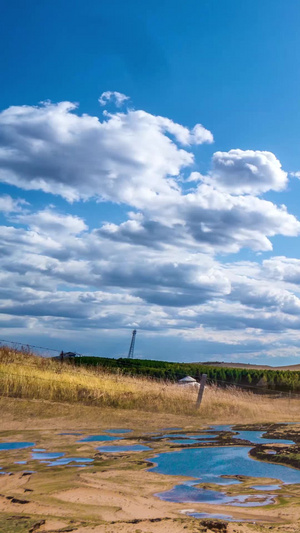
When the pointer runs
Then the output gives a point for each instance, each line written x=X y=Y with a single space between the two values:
x=29 y=377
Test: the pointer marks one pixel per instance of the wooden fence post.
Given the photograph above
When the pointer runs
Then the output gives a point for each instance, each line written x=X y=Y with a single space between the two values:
x=201 y=390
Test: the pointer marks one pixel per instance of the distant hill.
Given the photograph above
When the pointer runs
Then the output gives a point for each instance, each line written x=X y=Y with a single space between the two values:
x=223 y=364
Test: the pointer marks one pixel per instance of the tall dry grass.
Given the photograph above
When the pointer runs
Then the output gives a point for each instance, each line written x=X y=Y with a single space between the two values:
x=24 y=375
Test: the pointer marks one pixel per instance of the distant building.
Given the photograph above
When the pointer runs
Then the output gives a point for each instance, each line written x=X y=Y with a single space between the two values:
x=188 y=381
x=65 y=356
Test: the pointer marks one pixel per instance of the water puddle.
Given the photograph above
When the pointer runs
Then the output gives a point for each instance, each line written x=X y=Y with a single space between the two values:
x=44 y=457
x=192 y=494
x=209 y=465
x=185 y=438
x=58 y=459
x=79 y=461
x=228 y=518
x=4 y=446
x=256 y=437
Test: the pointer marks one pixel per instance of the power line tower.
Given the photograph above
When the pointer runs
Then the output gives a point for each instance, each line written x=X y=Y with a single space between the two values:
x=131 y=349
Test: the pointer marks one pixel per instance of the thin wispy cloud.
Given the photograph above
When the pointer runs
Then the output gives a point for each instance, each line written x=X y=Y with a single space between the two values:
x=113 y=96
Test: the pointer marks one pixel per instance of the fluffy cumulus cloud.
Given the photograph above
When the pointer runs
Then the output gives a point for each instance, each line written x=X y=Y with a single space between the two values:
x=207 y=220
x=284 y=269
x=247 y=171
x=52 y=223
x=161 y=268
x=129 y=157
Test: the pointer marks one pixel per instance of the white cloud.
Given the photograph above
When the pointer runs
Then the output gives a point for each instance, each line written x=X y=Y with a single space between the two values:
x=113 y=96
x=52 y=223
x=283 y=268
x=118 y=285
x=207 y=220
x=135 y=158
x=129 y=157
x=11 y=205
x=157 y=269
x=247 y=172
x=262 y=294
x=232 y=222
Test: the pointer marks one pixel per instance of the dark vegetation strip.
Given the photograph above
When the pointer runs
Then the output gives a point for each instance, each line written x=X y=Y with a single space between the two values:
x=277 y=380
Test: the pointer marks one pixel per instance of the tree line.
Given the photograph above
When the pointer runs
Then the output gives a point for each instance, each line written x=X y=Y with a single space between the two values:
x=278 y=380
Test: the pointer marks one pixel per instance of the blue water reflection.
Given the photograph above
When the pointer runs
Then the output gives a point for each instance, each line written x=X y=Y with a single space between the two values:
x=39 y=456
x=207 y=465
x=256 y=437
x=15 y=445
x=79 y=461
x=59 y=459
x=191 y=494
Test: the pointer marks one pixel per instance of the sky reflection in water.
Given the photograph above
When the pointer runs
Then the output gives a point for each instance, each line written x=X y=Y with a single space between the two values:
x=207 y=465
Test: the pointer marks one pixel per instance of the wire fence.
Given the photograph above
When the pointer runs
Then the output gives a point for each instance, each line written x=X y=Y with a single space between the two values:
x=46 y=352
x=253 y=388
x=38 y=350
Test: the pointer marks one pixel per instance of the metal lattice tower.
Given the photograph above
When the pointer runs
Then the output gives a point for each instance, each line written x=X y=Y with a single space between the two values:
x=131 y=349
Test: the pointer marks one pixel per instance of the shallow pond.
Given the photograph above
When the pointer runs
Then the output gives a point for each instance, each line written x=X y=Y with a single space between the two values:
x=5 y=446
x=256 y=437
x=229 y=518
x=208 y=466
x=59 y=459
x=185 y=438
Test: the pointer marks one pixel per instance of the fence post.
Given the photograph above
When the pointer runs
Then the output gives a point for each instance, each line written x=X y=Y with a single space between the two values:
x=201 y=390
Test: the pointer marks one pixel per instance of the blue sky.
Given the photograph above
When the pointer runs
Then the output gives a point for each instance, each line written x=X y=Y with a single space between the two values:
x=122 y=214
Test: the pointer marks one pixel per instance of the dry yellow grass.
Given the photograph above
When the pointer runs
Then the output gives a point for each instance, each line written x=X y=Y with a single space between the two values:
x=28 y=376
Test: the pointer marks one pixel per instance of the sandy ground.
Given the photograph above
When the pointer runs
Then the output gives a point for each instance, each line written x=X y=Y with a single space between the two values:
x=113 y=501
x=114 y=494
